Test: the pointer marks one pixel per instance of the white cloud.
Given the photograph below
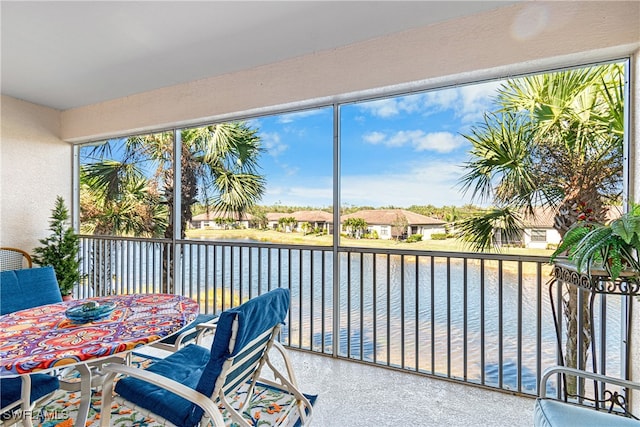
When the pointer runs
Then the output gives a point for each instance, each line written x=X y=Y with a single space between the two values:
x=443 y=99
x=468 y=102
x=475 y=100
x=374 y=137
x=318 y=194
x=441 y=142
x=429 y=182
x=388 y=107
x=273 y=144
x=289 y=170
x=404 y=137
x=292 y=117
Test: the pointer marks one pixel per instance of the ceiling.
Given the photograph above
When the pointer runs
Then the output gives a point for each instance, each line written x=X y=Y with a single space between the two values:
x=67 y=54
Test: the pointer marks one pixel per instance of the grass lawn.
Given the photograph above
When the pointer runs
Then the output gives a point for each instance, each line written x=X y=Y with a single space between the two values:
x=271 y=236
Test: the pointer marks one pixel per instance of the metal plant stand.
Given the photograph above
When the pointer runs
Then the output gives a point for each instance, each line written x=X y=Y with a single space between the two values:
x=596 y=282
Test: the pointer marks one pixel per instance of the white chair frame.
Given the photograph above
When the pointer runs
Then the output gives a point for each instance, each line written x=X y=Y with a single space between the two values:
x=221 y=390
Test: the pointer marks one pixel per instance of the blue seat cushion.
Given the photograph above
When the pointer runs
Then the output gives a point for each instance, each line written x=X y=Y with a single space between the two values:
x=198 y=368
x=555 y=413
x=184 y=366
x=202 y=318
x=254 y=317
x=41 y=385
x=27 y=288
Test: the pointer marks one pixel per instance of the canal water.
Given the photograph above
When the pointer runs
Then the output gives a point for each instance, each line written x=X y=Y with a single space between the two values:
x=436 y=315
x=479 y=321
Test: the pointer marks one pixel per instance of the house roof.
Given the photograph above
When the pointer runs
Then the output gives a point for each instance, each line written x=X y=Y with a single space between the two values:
x=302 y=216
x=274 y=216
x=545 y=217
x=312 y=216
x=215 y=215
x=390 y=216
x=541 y=218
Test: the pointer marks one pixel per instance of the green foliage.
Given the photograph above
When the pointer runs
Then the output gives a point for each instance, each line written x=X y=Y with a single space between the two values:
x=60 y=250
x=479 y=232
x=439 y=236
x=554 y=139
x=414 y=238
x=355 y=227
x=373 y=235
x=132 y=194
x=287 y=221
x=614 y=246
x=571 y=238
x=305 y=227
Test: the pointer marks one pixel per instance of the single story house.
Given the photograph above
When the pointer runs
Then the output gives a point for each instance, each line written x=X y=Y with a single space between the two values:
x=317 y=219
x=538 y=231
x=220 y=220
x=397 y=223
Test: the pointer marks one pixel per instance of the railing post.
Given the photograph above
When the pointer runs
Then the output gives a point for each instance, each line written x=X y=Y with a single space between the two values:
x=336 y=230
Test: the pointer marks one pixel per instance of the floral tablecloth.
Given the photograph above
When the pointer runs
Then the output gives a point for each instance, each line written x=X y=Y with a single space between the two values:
x=43 y=337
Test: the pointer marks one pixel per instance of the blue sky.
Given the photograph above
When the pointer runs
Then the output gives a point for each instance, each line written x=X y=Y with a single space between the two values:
x=399 y=151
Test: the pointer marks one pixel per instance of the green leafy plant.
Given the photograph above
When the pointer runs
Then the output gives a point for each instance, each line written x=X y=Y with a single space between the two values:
x=614 y=246
x=60 y=250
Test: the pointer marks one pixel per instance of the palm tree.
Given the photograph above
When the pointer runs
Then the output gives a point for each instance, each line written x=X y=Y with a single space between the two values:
x=219 y=166
x=555 y=141
x=355 y=227
x=135 y=210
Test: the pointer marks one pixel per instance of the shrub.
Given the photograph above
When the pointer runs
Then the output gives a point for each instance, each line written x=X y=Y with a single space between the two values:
x=414 y=238
x=439 y=236
x=61 y=249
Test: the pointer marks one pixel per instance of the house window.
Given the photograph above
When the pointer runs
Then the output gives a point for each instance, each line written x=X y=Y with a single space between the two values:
x=538 y=235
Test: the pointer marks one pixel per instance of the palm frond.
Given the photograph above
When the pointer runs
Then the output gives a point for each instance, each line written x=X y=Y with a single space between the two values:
x=479 y=232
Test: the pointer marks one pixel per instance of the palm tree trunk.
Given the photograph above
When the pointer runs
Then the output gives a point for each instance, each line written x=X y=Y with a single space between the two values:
x=572 y=358
x=188 y=193
x=585 y=205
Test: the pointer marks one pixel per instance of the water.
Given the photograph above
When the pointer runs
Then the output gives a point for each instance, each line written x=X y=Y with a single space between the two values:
x=433 y=315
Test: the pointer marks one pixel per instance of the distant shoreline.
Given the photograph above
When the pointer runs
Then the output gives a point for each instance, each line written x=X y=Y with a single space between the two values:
x=271 y=236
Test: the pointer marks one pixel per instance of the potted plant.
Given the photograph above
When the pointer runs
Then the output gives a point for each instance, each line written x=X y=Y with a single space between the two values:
x=613 y=247
x=60 y=250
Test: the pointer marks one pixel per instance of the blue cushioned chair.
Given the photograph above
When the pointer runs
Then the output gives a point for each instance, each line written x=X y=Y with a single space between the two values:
x=27 y=288
x=196 y=330
x=550 y=412
x=19 y=290
x=186 y=388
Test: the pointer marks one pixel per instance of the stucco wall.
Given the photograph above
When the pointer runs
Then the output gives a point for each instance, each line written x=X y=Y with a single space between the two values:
x=35 y=167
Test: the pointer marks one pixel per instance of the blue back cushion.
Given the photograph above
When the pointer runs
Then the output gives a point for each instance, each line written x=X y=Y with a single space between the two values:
x=27 y=288
x=197 y=367
x=254 y=317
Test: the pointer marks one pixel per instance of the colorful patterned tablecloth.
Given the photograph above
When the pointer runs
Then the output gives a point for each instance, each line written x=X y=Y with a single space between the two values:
x=43 y=337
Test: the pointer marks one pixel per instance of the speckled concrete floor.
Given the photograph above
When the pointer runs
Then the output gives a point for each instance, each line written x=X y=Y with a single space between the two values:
x=352 y=394
x=356 y=395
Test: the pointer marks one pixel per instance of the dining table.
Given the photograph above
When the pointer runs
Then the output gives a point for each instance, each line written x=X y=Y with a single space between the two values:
x=48 y=337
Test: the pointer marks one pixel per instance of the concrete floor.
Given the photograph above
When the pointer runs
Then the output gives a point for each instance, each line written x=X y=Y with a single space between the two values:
x=352 y=394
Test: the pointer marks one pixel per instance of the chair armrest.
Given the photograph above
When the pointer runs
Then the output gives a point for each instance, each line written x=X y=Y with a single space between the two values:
x=210 y=325
x=205 y=328
x=168 y=384
x=542 y=391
